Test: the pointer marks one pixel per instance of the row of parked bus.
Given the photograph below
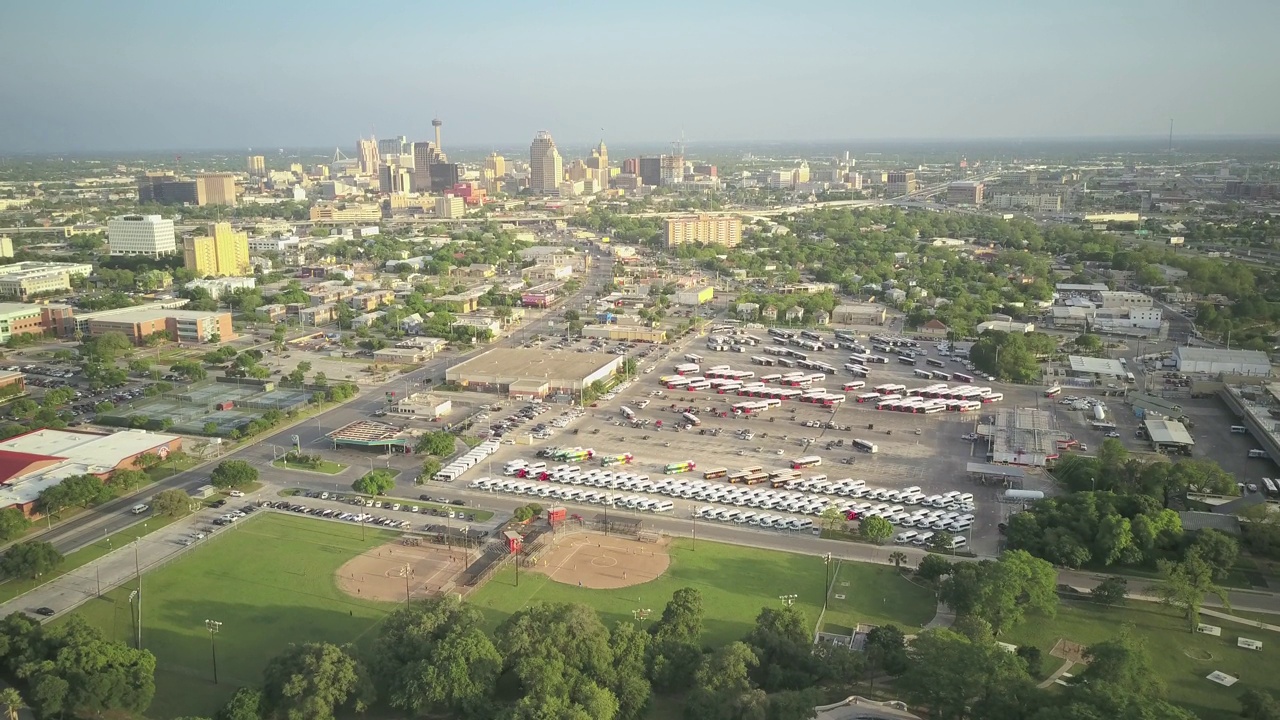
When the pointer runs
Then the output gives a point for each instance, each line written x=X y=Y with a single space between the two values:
x=453 y=470
x=572 y=494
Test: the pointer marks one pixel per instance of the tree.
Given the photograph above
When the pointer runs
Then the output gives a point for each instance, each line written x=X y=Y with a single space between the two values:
x=306 y=682
x=1110 y=591
x=430 y=466
x=1001 y=592
x=897 y=557
x=876 y=529
x=72 y=669
x=558 y=655
x=12 y=702
x=933 y=567
x=438 y=443
x=1089 y=343
x=1185 y=585
x=783 y=645
x=375 y=482
x=1254 y=705
x=173 y=503
x=1217 y=549
x=29 y=559
x=630 y=647
x=949 y=671
x=674 y=652
x=434 y=657
x=233 y=474
x=108 y=346
x=246 y=704
x=1031 y=655
x=831 y=517
x=886 y=650
x=13 y=524
x=126 y=481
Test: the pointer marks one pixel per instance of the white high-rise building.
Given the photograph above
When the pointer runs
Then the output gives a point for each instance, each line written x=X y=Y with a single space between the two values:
x=150 y=235
x=546 y=167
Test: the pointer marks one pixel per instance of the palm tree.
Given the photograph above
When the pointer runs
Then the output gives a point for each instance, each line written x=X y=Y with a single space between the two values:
x=897 y=557
x=12 y=702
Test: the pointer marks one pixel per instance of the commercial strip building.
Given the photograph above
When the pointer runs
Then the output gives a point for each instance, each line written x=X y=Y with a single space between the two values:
x=625 y=333
x=226 y=252
x=520 y=373
x=423 y=405
x=26 y=279
x=708 y=229
x=1216 y=361
x=371 y=435
x=38 y=460
x=148 y=235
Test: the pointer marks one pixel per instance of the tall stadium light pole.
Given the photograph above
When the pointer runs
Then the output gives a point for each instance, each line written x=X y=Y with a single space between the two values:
x=826 y=588
x=213 y=626
x=137 y=569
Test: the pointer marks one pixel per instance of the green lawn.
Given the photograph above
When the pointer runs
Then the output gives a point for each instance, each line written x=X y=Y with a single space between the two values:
x=1168 y=643
x=10 y=589
x=877 y=595
x=736 y=582
x=328 y=467
x=268 y=580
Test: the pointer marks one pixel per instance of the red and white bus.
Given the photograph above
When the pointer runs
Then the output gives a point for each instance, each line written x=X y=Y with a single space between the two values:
x=1054 y=391
x=868 y=397
x=992 y=397
x=889 y=388
x=961 y=377
x=806 y=462
x=855 y=385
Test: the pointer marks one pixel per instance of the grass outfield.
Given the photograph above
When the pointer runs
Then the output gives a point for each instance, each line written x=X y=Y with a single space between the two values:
x=1168 y=644
x=736 y=582
x=269 y=581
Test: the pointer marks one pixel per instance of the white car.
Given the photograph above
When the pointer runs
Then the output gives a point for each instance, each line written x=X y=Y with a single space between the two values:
x=236 y=493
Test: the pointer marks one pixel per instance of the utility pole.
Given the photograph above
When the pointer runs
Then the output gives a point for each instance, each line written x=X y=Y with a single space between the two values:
x=213 y=626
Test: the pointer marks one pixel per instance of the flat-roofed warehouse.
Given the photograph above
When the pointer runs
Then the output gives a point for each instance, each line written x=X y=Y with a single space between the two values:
x=1217 y=361
x=1098 y=368
x=1168 y=435
x=533 y=373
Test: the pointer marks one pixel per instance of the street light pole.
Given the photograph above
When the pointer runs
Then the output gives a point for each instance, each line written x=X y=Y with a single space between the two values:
x=213 y=626
x=137 y=569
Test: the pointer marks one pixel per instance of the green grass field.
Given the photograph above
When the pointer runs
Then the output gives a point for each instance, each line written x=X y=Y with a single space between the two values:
x=736 y=582
x=1168 y=643
x=269 y=581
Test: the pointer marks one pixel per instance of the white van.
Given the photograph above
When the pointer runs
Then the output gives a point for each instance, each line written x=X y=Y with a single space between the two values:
x=139 y=509
x=1239 y=429
x=905 y=537
x=923 y=539
x=663 y=506
x=958 y=542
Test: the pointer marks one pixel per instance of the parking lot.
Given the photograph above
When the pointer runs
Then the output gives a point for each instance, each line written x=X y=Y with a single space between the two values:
x=927 y=452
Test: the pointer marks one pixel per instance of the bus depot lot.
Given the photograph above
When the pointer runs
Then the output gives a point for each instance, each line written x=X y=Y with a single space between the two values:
x=933 y=460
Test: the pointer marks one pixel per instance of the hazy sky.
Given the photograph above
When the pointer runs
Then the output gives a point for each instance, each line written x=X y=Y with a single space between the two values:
x=85 y=75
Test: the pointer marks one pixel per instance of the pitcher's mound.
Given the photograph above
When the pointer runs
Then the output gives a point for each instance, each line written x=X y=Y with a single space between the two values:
x=603 y=562
x=381 y=573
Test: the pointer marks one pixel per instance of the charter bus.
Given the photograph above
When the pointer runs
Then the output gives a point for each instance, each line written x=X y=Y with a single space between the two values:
x=878 y=359
x=939 y=375
x=889 y=388
x=761 y=360
x=729 y=386
x=1129 y=378
x=786 y=362
x=621 y=459
x=846 y=335
x=927 y=375
x=771 y=378
x=887 y=400
x=832 y=400
x=693 y=358
x=810 y=335
x=807 y=461
x=992 y=397
x=859 y=359
x=1054 y=391
x=855 y=385
x=771 y=350
x=905 y=360
x=713 y=368
x=715 y=474
x=868 y=397
x=934 y=407
x=680 y=467
x=961 y=377
x=691 y=419
x=677 y=383
x=864 y=446
x=687 y=369
x=934 y=362
x=784 y=334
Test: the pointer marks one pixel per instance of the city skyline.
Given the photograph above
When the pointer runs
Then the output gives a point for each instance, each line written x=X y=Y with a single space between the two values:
x=748 y=72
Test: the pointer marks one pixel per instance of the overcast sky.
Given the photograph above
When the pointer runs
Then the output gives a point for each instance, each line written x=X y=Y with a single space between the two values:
x=86 y=75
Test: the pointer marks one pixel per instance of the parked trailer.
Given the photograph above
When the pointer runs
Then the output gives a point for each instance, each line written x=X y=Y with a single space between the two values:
x=1020 y=496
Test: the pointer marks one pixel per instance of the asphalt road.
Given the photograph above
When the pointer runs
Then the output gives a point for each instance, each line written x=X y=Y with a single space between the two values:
x=113 y=516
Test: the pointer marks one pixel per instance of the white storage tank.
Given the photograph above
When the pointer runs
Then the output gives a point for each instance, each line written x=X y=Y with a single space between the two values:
x=1022 y=495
